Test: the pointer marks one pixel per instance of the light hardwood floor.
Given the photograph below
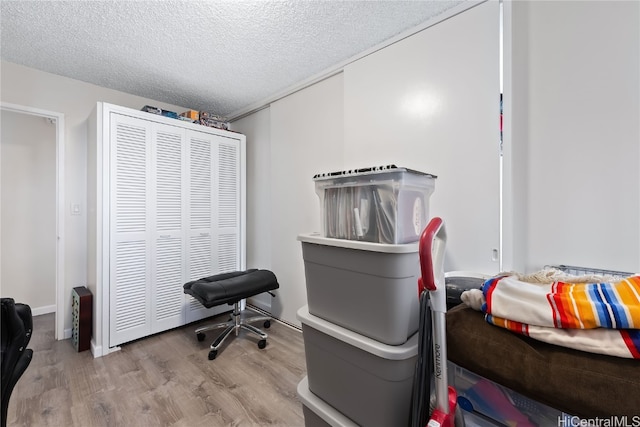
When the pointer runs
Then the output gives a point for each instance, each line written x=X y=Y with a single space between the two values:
x=162 y=380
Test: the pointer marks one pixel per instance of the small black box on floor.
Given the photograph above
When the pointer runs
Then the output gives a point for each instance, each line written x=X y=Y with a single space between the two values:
x=81 y=318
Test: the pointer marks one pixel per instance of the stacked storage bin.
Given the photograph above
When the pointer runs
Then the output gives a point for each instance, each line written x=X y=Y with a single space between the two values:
x=360 y=325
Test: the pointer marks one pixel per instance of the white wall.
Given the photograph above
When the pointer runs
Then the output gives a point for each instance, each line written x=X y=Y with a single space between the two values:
x=551 y=102
x=257 y=129
x=574 y=147
x=75 y=99
x=356 y=119
x=28 y=157
x=431 y=102
x=295 y=138
x=306 y=138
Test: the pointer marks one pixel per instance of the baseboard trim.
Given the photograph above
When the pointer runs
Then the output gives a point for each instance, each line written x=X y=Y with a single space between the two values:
x=38 y=311
x=266 y=313
x=96 y=350
x=255 y=302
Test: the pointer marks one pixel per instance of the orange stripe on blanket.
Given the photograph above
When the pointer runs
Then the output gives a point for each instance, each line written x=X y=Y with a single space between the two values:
x=629 y=292
x=520 y=328
x=571 y=318
x=584 y=311
x=572 y=307
x=574 y=304
x=565 y=307
x=559 y=299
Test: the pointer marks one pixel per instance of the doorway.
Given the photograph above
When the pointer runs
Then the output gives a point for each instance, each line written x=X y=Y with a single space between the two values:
x=32 y=206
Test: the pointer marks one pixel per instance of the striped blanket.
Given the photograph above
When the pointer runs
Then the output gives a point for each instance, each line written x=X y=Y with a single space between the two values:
x=602 y=317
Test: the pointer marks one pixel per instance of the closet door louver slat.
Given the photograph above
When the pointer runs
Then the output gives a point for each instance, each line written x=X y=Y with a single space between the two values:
x=130 y=182
x=169 y=181
x=228 y=185
x=200 y=263
x=228 y=252
x=167 y=293
x=200 y=205
x=130 y=283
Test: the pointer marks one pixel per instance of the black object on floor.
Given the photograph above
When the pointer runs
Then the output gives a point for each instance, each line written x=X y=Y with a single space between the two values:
x=17 y=325
x=231 y=288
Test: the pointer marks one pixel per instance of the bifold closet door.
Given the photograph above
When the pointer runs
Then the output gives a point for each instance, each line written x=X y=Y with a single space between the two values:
x=147 y=228
x=200 y=206
x=130 y=244
x=213 y=222
x=228 y=211
x=168 y=250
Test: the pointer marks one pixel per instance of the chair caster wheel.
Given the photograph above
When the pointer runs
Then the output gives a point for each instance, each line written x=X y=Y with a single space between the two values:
x=262 y=344
x=213 y=354
x=200 y=336
x=267 y=323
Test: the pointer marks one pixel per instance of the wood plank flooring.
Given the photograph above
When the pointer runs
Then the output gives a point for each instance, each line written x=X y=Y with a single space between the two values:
x=162 y=380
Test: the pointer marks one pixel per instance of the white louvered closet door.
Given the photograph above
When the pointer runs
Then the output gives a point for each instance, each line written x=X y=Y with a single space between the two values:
x=129 y=310
x=228 y=209
x=168 y=257
x=200 y=222
x=213 y=245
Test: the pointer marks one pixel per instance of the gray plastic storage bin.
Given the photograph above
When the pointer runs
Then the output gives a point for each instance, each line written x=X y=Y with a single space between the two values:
x=367 y=381
x=369 y=288
x=317 y=412
x=384 y=204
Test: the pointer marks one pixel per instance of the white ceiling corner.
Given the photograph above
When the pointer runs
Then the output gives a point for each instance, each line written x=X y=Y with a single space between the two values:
x=217 y=56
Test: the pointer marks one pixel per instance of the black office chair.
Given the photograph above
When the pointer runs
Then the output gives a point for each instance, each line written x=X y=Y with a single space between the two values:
x=231 y=288
x=17 y=325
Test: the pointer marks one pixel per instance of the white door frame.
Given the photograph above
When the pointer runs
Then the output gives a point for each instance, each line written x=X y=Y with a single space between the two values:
x=58 y=119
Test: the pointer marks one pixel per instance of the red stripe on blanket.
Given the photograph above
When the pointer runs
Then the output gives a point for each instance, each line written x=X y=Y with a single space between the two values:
x=552 y=303
x=489 y=292
x=631 y=345
x=512 y=325
x=518 y=327
x=561 y=308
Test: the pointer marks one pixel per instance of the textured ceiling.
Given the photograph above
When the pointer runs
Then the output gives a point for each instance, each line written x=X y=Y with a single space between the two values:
x=217 y=56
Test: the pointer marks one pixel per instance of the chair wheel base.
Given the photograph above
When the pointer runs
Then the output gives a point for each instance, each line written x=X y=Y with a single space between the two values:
x=213 y=354
x=262 y=344
x=200 y=336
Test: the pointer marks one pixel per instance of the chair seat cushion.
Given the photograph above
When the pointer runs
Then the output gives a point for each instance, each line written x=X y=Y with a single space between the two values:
x=229 y=288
